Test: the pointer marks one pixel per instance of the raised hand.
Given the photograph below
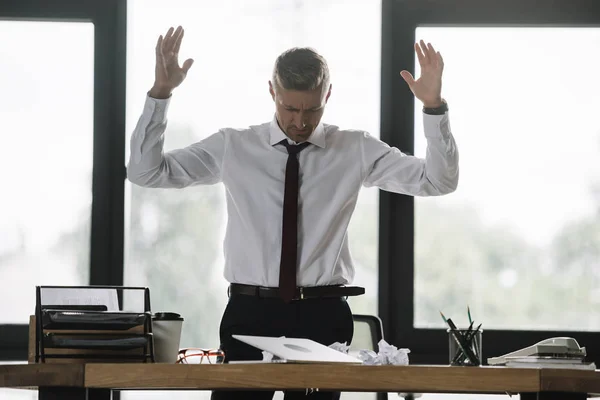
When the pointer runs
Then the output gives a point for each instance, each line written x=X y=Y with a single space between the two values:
x=168 y=74
x=428 y=88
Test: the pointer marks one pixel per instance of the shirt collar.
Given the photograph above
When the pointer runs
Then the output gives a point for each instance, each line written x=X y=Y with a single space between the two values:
x=276 y=135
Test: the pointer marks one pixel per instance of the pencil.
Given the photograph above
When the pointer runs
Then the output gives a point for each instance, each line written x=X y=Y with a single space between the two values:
x=444 y=318
x=460 y=341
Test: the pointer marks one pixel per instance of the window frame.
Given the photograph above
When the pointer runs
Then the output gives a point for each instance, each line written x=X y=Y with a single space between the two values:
x=106 y=239
x=396 y=232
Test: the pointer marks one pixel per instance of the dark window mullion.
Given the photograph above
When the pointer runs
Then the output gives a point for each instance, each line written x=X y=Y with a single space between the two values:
x=106 y=255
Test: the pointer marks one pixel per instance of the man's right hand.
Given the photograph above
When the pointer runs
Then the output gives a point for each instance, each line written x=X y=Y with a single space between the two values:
x=168 y=73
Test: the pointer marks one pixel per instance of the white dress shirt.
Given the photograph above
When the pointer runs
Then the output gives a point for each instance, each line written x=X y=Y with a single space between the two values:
x=251 y=165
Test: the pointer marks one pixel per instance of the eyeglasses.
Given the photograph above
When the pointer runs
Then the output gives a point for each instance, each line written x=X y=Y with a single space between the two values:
x=200 y=356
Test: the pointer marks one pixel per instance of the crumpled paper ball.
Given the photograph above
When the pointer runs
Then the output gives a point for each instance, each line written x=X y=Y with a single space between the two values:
x=267 y=357
x=388 y=355
x=342 y=347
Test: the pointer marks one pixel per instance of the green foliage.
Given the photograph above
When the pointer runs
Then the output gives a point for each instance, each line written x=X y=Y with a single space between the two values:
x=507 y=282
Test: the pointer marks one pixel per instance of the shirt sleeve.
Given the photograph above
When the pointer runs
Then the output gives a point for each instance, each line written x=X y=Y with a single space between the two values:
x=199 y=163
x=391 y=170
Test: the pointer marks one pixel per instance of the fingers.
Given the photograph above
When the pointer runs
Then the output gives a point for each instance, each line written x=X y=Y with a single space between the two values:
x=420 y=54
x=178 y=41
x=159 y=44
x=427 y=54
x=426 y=51
x=166 y=41
x=434 y=56
x=187 y=65
x=160 y=61
x=431 y=51
x=408 y=78
x=171 y=39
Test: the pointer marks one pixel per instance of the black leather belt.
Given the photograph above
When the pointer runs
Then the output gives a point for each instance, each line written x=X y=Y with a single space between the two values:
x=308 y=292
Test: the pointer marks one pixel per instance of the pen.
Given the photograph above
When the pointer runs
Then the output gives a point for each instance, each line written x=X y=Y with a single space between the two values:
x=475 y=331
x=469 y=335
x=470 y=328
x=460 y=341
x=475 y=345
x=458 y=355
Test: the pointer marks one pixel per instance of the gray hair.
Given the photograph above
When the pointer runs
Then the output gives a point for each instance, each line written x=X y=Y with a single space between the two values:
x=300 y=68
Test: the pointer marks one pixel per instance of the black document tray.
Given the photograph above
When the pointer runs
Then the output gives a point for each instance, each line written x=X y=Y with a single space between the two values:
x=99 y=332
x=91 y=320
x=76 y=307
x=99 y=344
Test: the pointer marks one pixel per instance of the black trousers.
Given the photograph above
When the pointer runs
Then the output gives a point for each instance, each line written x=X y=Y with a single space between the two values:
x=326 y=321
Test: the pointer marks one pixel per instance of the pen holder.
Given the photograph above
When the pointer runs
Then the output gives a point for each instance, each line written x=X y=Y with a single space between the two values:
x=465 y=347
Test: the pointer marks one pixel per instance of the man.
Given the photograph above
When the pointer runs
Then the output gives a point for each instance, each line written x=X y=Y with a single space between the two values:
x=291 y=187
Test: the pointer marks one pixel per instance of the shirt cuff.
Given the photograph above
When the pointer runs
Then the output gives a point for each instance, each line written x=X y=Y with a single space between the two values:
x=157 y=108
x=436 y=126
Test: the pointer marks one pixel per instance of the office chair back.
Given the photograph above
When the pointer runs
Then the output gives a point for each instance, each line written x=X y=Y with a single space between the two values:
x=368 y=331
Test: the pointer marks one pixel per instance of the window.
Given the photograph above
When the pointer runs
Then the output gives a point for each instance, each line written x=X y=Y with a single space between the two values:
x=174 y=238
x=47 y=116
x=489 y=259
x=519 y=241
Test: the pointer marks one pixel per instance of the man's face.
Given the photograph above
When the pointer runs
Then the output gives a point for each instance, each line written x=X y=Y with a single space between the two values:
x=299 y=112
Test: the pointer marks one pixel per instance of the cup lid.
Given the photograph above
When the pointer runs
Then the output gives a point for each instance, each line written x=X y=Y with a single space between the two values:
x=167 y=316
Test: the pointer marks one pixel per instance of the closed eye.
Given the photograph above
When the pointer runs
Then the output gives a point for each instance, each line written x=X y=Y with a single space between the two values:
x=310 y=110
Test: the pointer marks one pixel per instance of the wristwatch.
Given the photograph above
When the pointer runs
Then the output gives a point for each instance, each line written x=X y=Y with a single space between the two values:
x=441 y=110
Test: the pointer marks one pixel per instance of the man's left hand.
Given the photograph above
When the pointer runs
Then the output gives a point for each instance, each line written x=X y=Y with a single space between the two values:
x=428 y=88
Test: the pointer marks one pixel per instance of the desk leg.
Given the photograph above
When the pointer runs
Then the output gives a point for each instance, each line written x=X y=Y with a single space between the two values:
x=62 y=393
x=99 y=394
x=70 y=393
x=553 y=396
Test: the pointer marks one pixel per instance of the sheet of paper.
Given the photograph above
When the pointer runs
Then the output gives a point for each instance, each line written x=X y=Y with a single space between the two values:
x=87 y=297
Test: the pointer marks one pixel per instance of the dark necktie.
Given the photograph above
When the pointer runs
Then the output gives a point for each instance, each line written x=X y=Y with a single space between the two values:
x=289 y=237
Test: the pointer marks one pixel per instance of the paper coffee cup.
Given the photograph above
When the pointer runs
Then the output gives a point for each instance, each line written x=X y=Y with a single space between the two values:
x=166 y=330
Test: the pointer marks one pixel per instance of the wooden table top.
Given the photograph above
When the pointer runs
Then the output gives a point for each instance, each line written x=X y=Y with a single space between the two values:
x=415 y=378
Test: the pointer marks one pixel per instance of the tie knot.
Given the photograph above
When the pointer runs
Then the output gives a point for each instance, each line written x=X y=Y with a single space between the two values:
x=294 y=148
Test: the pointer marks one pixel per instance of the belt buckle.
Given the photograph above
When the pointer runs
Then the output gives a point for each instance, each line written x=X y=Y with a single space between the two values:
x=301 y=293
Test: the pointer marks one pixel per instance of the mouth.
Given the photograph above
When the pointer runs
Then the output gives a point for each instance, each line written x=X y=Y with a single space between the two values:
x=300 y=132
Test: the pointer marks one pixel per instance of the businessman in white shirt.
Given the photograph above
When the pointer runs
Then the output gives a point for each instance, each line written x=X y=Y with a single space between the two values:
x=291 y=186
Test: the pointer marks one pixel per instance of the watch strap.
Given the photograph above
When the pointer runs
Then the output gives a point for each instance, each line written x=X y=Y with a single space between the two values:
x=441 y=110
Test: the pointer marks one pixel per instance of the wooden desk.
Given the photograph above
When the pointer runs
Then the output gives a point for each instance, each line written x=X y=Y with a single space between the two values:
x=76 y=381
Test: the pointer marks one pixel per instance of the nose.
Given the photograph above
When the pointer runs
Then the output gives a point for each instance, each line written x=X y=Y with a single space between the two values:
x=299 y=121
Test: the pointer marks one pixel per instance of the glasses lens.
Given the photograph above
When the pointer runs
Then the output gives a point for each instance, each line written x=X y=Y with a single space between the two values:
x=200 y=356
x=215 y=357
x=190 y=356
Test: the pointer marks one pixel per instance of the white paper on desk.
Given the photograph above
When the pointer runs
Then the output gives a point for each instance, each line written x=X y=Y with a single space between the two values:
x=80 y=297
